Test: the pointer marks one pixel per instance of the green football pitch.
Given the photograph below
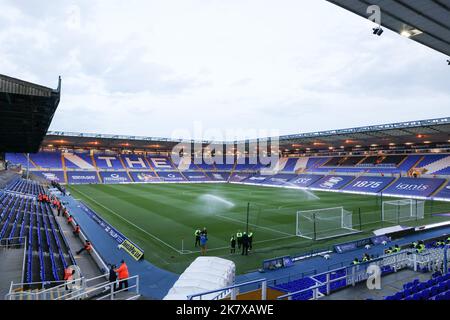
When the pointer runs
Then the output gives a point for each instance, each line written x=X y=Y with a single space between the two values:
x=162 y=218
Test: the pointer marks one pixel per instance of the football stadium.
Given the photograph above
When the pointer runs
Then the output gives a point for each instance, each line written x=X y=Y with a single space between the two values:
x=356 y=213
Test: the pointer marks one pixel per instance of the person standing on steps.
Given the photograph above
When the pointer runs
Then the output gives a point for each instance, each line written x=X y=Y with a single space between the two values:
x=113 y=277
x=123 y=275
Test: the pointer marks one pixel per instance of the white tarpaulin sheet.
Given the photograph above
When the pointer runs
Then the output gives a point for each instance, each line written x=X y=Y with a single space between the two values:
x=203 y=274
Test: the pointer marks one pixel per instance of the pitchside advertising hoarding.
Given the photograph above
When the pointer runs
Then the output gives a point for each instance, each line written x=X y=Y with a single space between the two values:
x=238 y=177
x=171 y=176
x=332 y=182
x=123 y=242
x=195 y=176
x=144 y=176
x=304 y=180
x=278 y=179
x=219 y=176
x=369 y=184
x=114 y=177
x=420 y=187
x=82 y=177
x=256 y=179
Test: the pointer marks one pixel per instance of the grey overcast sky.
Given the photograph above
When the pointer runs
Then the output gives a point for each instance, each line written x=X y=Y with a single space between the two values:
x=204 y=67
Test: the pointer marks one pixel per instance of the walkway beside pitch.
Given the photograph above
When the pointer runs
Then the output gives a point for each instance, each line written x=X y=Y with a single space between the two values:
x=154 y=282
x=318 y=264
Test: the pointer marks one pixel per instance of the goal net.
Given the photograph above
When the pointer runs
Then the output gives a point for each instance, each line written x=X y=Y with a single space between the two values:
x=325 y=223
x=396 y=211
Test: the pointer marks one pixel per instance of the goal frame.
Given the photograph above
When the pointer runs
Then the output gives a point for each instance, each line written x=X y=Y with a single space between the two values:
x=314 y=232
x=412 y=203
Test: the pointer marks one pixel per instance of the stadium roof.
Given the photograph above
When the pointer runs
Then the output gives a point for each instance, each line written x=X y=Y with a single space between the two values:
x=411 y=133
x=26 y=112
x=428 y=132
x=427 y=22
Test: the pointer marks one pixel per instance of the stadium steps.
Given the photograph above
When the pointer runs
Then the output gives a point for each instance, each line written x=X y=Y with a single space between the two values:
x=413 y=168
x=151 y=168
x=126 y=169
x=391 y=183
x=437 y=165
x=300 y=166
x=96 y=169
x=361 y=161
x=281 y=163
x=123 y=164
x=11 y=262
x=232 y=169
x=404 y=159
x=32 y=163
x=440 y=188
x=202 y=170
x=63 y=163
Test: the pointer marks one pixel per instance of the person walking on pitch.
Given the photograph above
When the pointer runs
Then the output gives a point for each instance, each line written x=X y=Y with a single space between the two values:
x=232 y=244
x=245 y=244
x=203 y=242
x=250 y=240
x=197 y=237
x=239 y=239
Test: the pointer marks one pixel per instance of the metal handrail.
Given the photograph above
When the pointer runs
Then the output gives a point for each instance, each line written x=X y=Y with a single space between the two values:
x=316 y=286
x=190 y=297
x=101 y=286
x=346 y=277
x=84 y=285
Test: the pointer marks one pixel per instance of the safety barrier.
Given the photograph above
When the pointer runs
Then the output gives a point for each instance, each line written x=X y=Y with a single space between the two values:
x=231 y=291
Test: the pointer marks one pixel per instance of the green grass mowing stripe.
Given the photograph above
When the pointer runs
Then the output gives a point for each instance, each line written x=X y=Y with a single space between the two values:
x=171 y=212
x=254 y=225
x=131 y=223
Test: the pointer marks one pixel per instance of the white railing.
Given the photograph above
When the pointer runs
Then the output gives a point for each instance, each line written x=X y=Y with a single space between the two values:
x=231 y=291
x=87 y=289
x=354 y=274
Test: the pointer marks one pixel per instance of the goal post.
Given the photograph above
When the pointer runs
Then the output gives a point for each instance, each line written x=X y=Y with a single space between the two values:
x=324 y=223
x=396 y=211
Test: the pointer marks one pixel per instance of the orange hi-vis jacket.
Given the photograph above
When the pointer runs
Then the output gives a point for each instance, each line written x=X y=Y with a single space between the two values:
x=122 y=271
x=88 y=246
x=68 y=274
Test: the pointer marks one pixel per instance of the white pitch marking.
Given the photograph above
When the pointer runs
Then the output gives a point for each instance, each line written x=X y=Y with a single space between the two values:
x=131 y=223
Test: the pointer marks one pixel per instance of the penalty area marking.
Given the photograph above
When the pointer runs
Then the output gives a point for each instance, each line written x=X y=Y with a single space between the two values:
x=131 y=223
x=257 y=226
